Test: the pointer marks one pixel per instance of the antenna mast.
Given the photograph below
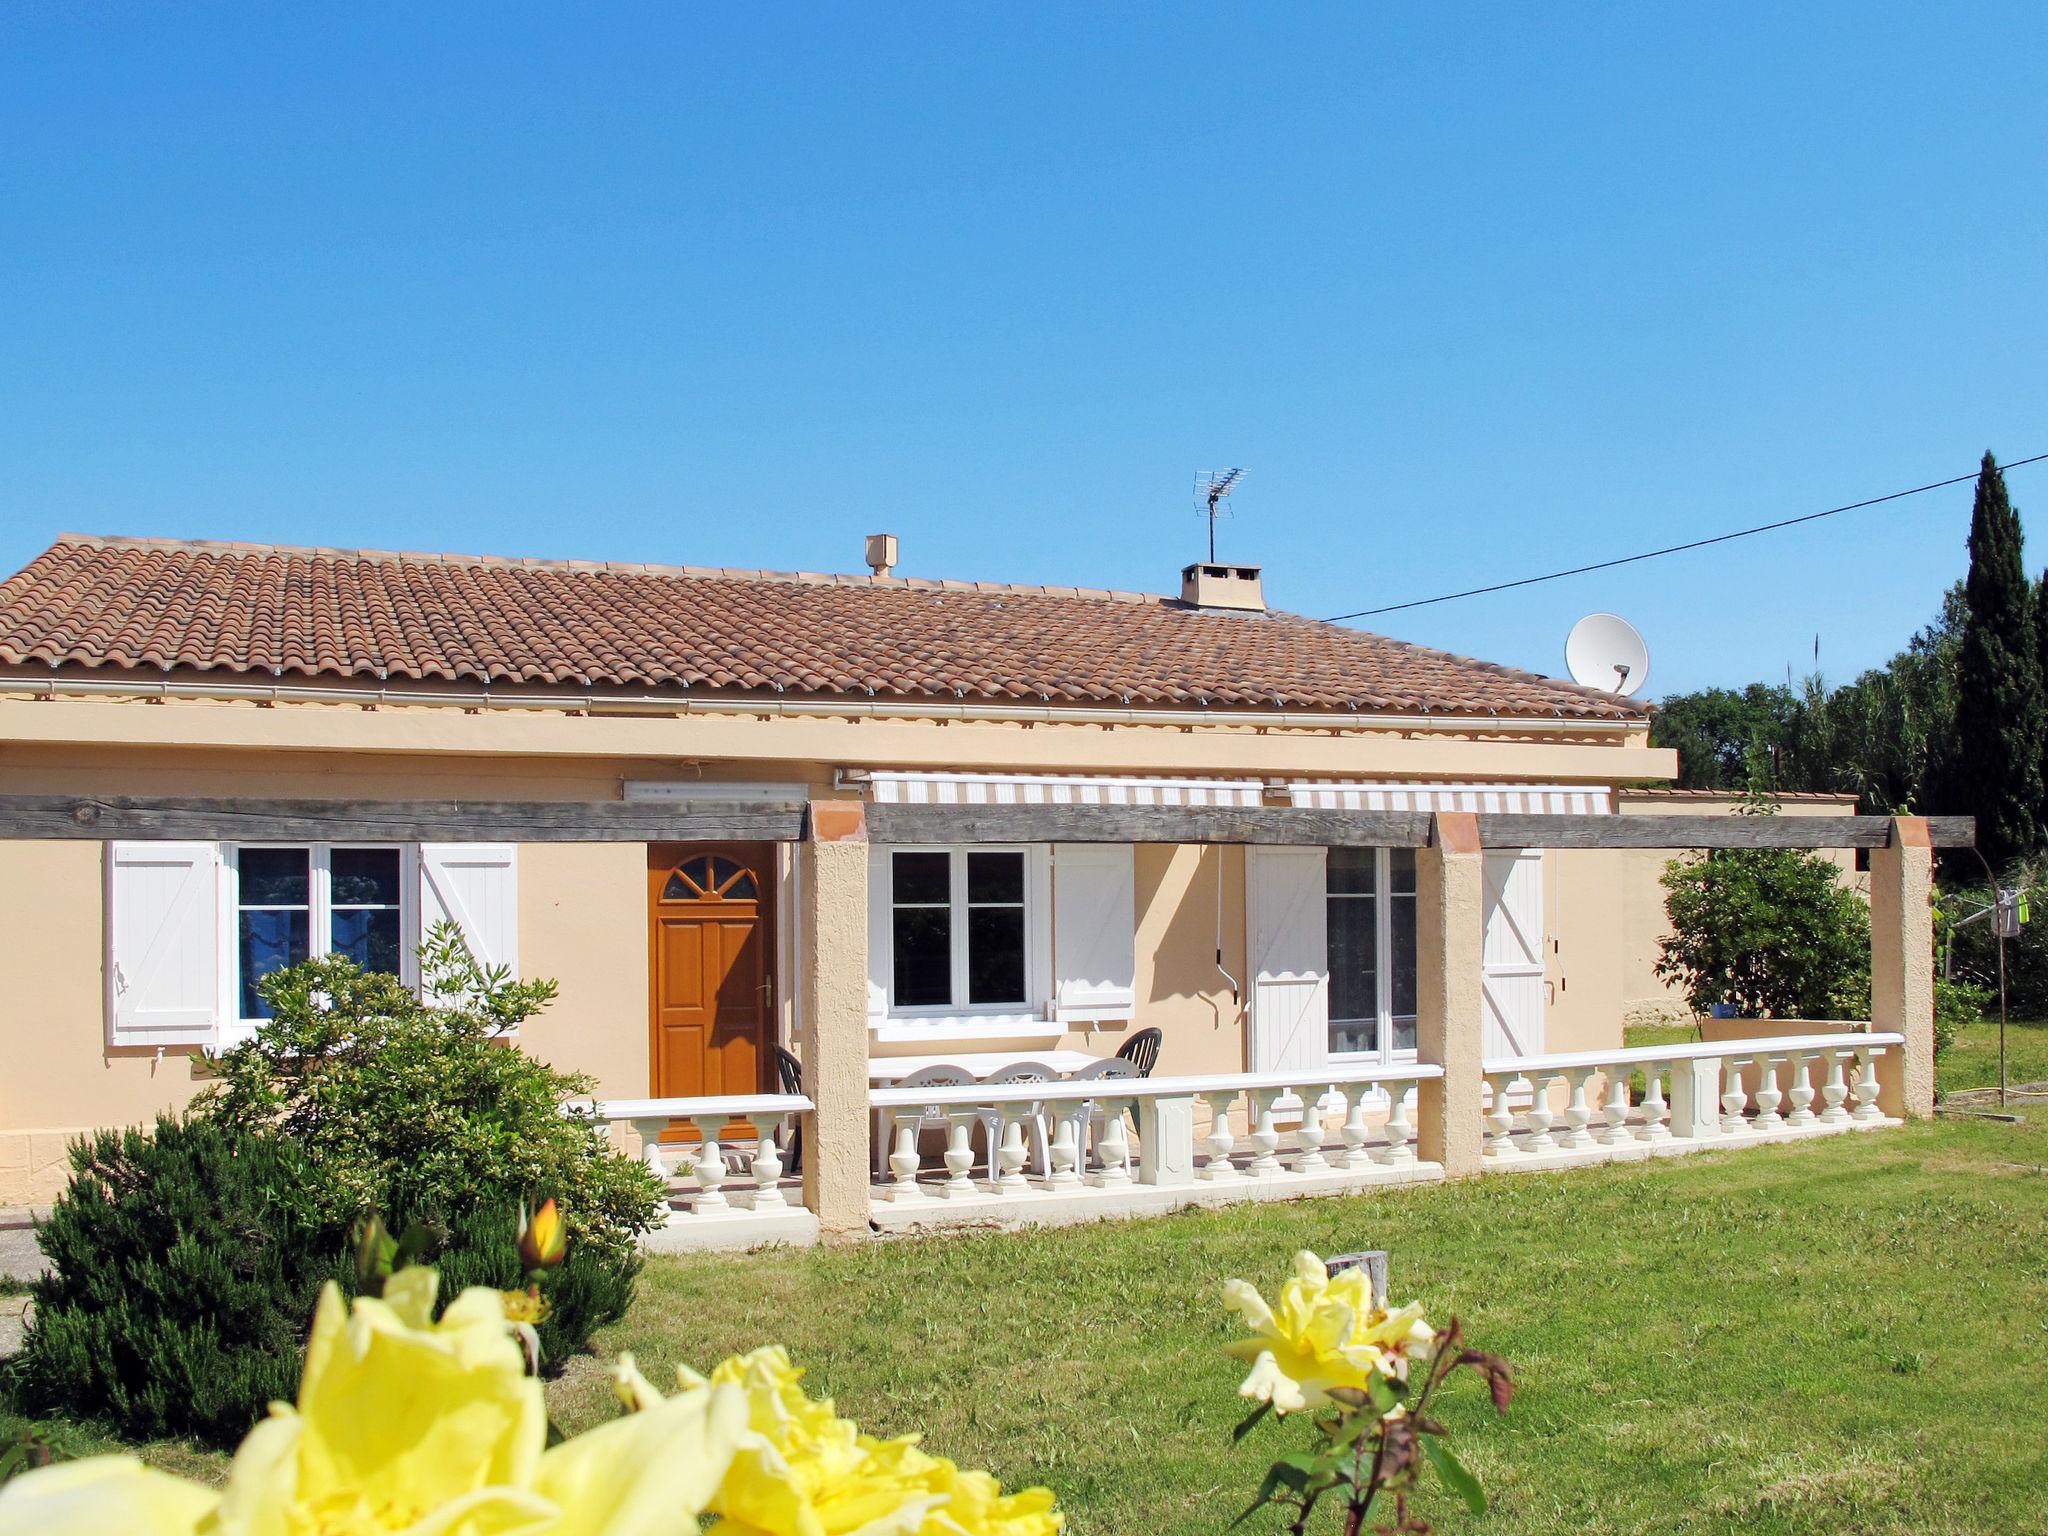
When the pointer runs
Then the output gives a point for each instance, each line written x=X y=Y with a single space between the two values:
x=1212 y=490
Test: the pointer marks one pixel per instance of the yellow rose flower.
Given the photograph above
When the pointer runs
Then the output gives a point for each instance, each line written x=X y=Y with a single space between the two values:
x=1325 y=1336
x=805 y=1471
x=408 y=1425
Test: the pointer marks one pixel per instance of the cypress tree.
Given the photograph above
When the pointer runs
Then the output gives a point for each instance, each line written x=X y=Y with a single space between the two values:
x=1999 y=711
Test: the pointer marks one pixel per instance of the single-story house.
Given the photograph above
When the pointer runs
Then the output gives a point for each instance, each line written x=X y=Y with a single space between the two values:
x=224 y=681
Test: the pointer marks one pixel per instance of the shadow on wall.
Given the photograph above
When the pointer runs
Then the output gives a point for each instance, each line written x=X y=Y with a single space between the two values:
x=1185 y=895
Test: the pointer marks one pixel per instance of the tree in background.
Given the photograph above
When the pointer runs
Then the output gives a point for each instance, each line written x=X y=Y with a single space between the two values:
x=1999 y=719
x=1725 y=739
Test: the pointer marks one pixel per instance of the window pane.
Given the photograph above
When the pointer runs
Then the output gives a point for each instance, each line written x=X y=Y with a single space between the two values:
x=923 y=951
x=274 y=877
x=743 y=889
x=995 y=954
x=995 y=877
x=368 y=936
x=269 y=941
x=365 y=877
x=1357 y=1035
x=1402 y=921
x=1401 y=869
x=922 y=877
x=1351 y=871
x=1354 y=970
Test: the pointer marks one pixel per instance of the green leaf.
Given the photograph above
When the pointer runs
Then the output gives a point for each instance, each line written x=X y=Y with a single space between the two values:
x=1455 y=1477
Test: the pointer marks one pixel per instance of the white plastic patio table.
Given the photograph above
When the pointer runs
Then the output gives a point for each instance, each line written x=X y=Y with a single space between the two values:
x=884 y=1070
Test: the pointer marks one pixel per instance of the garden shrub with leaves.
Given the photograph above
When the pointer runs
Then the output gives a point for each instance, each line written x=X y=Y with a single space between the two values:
x=1770 y=930
x=182 y=1274
x=418 y=1107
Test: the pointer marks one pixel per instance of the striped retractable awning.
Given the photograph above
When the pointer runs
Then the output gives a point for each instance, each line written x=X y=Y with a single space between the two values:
x=902 y=788
x=1497 y=799
x=1057 y=789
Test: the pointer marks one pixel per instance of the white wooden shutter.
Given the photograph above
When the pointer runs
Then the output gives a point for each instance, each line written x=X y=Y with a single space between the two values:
x=1288 y=935
x=1094 y=932
x=163 y=943
x=475 y=886
x=1512 y=978
x=881 y=934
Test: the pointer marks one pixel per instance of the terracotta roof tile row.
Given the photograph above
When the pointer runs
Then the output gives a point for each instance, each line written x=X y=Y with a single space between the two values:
x=246 y=608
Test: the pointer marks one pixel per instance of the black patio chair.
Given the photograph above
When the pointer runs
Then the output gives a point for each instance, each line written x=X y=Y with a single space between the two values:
x=789 y=1078
x=1142 y=1050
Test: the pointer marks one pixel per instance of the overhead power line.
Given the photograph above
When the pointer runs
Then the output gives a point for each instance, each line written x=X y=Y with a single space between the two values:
x=1674 y=549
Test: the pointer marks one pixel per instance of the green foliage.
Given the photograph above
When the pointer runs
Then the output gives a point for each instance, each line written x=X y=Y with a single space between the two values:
x=183 y=1280
x=1957 y=1004
x=1999 y=711
x=1725 y=739
x=1970 y=954
x=1770 y=930
x=421 y=1108
x=185 y=1270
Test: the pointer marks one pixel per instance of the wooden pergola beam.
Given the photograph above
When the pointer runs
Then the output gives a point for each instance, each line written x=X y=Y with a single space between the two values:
x=104 y=817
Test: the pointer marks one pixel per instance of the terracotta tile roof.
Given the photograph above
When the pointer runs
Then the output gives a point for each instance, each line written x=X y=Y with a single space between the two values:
x=171 y=604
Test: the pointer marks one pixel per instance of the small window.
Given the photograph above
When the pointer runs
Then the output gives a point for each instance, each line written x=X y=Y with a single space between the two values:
x=291 y=904
x=1370 y=894
x=710 y=878
x=960 y=928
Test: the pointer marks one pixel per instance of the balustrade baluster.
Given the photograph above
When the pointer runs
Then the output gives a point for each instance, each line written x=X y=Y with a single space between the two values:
x=767 y=1169
x=1354 y=1129
x=1655 y=1111
x=1802 y=1091
x=1866 y=1111
x=1265 y=1136
x=1768 y=1095
x=903 y=1160
x=1576 y=1111
x=1539 y=1116
x=650 y=1133
x=1217 y=1144
x=1310 y=1135
x=1501 y=1118
x=1400 y=1151
x=709 y=1172
x=1734 y=1098
x=960 y=1154
x=1065 y=1152
x=1834 y=1090
x=1011 y=1153
x=1113 y=1146
x=1614 y=1110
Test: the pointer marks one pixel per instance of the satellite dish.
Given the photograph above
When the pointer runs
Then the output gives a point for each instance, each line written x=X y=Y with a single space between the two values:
x=1606 y=653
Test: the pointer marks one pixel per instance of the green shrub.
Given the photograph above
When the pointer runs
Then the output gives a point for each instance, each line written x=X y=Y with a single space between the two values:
x=1770 y=930
x=391 y=1104
x=184 y=1276
x=183 y=1280
x=1957 y=1003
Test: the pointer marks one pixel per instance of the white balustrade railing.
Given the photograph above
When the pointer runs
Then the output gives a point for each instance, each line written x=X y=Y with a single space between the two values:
x=1715 y=1090
x=705 y=1163
x=1076 y=1129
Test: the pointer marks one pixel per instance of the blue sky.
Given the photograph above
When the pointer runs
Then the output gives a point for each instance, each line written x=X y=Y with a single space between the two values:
x=1474 y=291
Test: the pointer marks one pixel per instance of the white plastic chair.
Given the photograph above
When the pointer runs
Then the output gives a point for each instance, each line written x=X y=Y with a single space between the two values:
x=1088 y=1123
x=992 y=1118
x=940 y=1075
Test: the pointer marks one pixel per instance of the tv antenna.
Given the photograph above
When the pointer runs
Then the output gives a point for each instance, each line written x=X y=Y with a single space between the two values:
x=1606 y=653
x=1212 y=492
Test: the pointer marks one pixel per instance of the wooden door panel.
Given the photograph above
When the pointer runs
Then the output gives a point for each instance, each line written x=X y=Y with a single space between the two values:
x=711 y=1013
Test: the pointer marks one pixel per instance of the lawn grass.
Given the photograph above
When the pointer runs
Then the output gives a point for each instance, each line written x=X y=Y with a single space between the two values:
x=1844 y=1336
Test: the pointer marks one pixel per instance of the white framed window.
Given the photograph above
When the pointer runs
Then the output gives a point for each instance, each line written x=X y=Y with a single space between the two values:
x=962 y=932
x=286 y=902
x=1369 y=895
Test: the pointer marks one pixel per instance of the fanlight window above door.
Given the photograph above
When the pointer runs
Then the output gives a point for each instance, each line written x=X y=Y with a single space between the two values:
x=710 y=877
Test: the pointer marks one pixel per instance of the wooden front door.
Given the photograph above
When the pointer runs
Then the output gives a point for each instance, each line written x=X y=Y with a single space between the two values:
x=712 y=968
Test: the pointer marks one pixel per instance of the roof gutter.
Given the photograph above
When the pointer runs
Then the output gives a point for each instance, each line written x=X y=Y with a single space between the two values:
x=900 y=709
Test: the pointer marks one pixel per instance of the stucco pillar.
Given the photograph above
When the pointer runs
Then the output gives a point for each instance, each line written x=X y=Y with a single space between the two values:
x=834 y=967
x=1902 y=965
x=1450 y=884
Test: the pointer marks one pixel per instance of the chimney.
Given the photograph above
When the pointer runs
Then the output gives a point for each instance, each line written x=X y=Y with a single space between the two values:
x=1234 y=587
x=881 y=553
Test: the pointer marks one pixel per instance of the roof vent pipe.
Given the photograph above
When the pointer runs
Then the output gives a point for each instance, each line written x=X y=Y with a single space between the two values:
x=881 y=553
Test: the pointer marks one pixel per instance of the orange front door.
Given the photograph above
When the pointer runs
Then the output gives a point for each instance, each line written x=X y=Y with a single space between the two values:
x=712 y=968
